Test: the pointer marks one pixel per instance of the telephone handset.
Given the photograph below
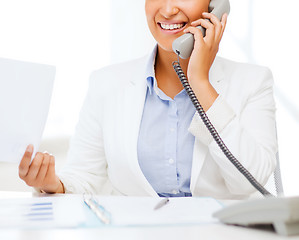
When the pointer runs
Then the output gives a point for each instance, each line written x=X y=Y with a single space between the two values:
x=184 y=44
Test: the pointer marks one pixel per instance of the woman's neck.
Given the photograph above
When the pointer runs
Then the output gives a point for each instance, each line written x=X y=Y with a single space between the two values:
x=166 y=77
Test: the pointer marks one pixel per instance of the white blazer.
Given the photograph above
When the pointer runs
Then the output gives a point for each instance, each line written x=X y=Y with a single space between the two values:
x=103 y=153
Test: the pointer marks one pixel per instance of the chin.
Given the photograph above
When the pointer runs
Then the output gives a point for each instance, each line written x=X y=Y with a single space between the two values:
x=166 y=47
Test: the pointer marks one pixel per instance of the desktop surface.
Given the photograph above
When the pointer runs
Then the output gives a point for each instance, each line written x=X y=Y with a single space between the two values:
x=190 y=231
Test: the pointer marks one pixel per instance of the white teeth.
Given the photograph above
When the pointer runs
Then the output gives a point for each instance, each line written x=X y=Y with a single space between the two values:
x=171 y=26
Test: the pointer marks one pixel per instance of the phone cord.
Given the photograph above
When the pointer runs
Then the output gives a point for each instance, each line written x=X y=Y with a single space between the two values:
x=177 y=67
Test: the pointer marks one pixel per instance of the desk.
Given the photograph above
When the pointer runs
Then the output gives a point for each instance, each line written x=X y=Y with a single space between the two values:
x=203 y=231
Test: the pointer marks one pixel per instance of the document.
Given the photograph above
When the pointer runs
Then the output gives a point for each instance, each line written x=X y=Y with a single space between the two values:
x=64 y=211
x=138 y=211
x=42 y=212
x=25 y=93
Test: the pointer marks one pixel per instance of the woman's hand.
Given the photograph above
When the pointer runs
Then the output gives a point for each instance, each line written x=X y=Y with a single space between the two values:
x=205 y=48
x=40 y=173
x=203 y=55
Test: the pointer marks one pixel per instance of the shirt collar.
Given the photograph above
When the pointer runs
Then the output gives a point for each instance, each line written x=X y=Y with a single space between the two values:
x=216 y=71
x=150 y=75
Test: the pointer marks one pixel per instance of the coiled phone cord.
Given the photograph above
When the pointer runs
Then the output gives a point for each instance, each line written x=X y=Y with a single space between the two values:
x=177 y=67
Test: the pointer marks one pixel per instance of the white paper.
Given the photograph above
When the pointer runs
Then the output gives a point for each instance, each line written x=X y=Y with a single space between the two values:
x=137 y=211
x=42 y=212
x=25 y=93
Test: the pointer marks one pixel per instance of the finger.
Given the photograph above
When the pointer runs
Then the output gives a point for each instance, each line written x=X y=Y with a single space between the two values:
x=202 y=22
x=25 y=162
x=223 y=23
x=198 y=37
x=196 y=22
x=43 y=170
x=213 y=19
x=34 y=168
x=51 y=169
x=210 y=29
x=216 y=22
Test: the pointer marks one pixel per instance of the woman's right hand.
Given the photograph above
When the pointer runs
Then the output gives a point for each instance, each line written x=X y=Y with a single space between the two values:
x=40 y=173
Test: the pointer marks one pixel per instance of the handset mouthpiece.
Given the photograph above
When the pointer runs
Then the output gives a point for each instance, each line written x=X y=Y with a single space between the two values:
x=183 y=45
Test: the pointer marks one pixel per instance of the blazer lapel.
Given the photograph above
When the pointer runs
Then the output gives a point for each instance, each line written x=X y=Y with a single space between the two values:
x=134 y=99
x=200 y=150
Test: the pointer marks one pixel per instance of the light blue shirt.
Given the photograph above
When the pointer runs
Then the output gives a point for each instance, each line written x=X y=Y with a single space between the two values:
x=165 y=146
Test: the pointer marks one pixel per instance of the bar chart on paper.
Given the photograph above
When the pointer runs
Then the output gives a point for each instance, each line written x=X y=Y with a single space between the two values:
x=41 y=212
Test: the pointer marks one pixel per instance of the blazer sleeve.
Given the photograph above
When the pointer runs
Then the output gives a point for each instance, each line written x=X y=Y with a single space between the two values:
x=249 y=131
x=86 y=167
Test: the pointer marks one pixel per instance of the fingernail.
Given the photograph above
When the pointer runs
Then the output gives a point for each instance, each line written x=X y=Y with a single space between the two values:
x=29 y=148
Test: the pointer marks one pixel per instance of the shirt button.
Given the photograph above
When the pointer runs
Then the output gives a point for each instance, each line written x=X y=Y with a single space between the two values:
x=172 y=129
x=175 y=192
x=171 y=161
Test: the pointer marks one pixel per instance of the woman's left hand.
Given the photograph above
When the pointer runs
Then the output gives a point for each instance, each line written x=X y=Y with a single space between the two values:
x=205 y=48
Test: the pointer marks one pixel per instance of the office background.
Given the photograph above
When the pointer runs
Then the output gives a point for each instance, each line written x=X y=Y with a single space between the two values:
x=78 y=36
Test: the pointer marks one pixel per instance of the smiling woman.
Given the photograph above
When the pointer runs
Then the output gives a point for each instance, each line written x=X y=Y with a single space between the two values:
x=77 y=41
x=145 y=138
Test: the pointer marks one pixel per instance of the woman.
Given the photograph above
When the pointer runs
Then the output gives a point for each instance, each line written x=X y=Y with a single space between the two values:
x=138 y=133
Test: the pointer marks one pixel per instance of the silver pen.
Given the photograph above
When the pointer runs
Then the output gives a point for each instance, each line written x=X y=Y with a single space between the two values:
x=162 y=203
x=97 y=209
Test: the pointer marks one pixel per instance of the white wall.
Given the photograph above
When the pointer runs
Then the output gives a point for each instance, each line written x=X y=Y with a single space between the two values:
x=262 y=32
x=74 y=36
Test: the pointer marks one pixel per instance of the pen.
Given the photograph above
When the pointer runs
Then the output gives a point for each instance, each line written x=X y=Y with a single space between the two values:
x=98 y=210
x=162 y=203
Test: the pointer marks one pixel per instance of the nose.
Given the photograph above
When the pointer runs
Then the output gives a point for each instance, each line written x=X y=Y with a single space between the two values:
x=169 y=8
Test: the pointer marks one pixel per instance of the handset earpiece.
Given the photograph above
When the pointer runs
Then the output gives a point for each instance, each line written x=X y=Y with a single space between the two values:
x=183 y=45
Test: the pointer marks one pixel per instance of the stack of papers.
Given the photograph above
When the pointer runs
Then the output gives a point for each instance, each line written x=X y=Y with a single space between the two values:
x=69 y=211
x=25 y=93
x=137 y=211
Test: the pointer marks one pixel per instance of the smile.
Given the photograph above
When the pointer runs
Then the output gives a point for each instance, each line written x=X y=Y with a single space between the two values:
x=172 y=26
